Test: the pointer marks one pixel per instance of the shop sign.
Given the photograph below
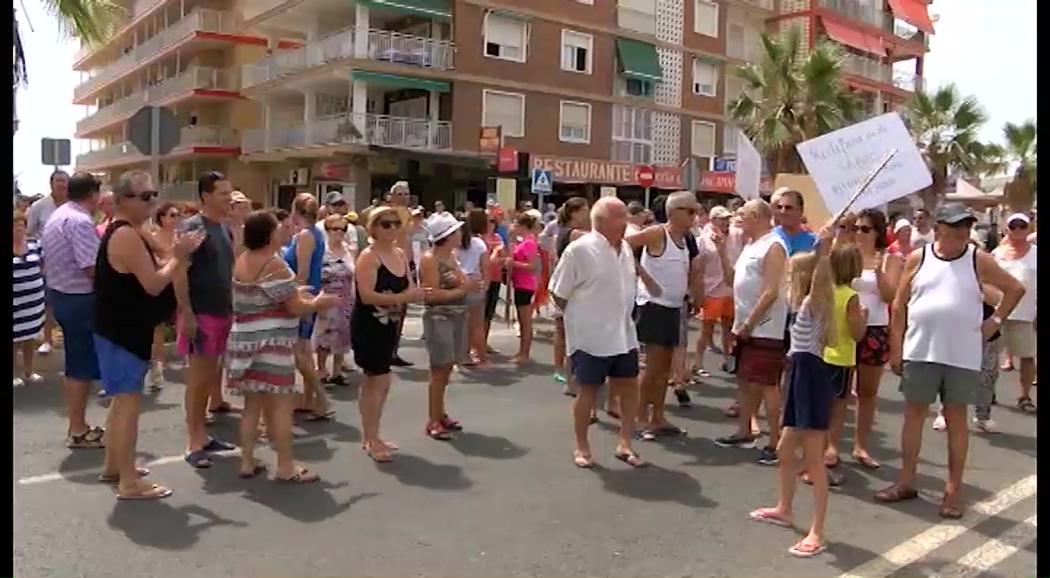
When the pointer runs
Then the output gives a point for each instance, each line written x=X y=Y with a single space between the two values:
x=575 y=170
x=725 y=182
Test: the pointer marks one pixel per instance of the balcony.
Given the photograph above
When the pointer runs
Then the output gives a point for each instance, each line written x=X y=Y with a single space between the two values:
x=905 y=31
x=636 y=20
x=867 y=12
x=353 y=129
x=150 y=50
x=138 y=9
x=125 y=153
x=867 y=67
x=907 y=81
x=763 y=4
x=201 y=78
x=381 y=45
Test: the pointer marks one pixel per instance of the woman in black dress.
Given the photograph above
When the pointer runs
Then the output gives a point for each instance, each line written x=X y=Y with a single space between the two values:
x=384 y=288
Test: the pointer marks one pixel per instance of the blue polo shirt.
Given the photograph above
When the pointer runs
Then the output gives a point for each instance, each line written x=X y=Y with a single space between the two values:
x=800 y=242
x=503 y=232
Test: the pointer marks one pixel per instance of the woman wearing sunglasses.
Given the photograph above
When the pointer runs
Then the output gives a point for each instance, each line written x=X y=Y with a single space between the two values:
x=332 y=334
x=384 y=290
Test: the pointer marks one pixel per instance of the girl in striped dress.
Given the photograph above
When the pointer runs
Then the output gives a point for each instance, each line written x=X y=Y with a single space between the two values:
x=28 y=289
x=260 y=354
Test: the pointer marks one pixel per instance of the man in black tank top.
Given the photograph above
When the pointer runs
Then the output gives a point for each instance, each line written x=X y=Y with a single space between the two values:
x=129 y=279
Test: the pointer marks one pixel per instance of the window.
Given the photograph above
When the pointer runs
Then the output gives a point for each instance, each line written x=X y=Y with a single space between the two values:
x=703 y=139
x=705 y=18
x=637 y=15
x=505 y=109
x=575 y=123
x=505 y=38
x=576 y=51
x=705 y=78
x=730 y=136
x=635 y=87
x=632 y=134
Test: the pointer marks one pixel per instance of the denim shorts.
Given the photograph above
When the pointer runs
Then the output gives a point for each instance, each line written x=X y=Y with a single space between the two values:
x=75 y=315
x=122 y=371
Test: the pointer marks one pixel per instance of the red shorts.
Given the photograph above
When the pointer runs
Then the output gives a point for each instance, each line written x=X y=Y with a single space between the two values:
x=718 y=308
x=212 y=333
x=760 y=361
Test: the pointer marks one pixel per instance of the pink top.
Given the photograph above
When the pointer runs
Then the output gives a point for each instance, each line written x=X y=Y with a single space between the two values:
x=714 y=281
x=525 y=251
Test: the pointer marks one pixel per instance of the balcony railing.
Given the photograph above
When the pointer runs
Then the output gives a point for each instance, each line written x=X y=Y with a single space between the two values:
x=138 y=8
x=197 y=21
x=907 y=81
x=765 y=4
x=904 y=30
x=194 y=78
x=867 y=67
x=864 y=11
x=381 y=45
x=190 y=136
x=359 y=129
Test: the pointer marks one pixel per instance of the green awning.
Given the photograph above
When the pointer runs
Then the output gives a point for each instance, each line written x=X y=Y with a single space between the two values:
x=441 y=9
x=638 y=60
x=401 y=81
x=510 y=14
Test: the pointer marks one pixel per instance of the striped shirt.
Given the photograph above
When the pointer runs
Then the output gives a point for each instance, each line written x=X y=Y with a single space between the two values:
x=807 y=331
x=70 y=244
x=28 y=290
x=260 y=353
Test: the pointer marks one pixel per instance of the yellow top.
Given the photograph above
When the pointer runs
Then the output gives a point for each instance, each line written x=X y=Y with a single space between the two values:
x=841 y=350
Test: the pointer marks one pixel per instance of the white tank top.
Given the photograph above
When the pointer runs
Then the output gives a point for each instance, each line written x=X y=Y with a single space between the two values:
x=670 y=270
x=1024 y=270
x=867 y=289
x=747 y=288
x=945 y=311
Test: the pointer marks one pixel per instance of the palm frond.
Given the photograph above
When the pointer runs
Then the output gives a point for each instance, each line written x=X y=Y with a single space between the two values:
x=20 y=75
x=93 y=21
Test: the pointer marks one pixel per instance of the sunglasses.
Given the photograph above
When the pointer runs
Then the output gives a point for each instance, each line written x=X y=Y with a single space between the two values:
x=341 y=229
x=145 y=196
x=964 y=224
x=389 y=224
x=1017 y=226
x=786 y=207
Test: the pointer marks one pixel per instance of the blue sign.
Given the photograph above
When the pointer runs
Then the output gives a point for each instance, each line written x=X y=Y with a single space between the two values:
x=542 y=181
x=725 y=165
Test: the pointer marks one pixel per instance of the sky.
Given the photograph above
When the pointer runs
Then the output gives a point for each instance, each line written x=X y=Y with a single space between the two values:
x=988 y=49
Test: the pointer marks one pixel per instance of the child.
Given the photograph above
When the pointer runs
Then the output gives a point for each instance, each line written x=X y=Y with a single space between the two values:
x=825 y=315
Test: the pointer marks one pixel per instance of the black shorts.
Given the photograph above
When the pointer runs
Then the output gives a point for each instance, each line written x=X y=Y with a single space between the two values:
x=523 y=297
x=841 y=380
x=491 y=299
x=809 y=388
x=659 y=325
x=592 y=370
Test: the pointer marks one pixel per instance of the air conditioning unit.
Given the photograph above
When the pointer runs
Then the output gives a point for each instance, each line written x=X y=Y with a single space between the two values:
x=298 y=177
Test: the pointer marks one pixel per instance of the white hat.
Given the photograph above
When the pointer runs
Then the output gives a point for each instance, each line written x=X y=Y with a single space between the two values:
x=1019 y=217
x=900 y=224
x=720 y=212
x=440 y=225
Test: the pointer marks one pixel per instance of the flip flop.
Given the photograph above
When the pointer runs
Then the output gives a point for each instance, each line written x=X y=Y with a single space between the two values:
x=951 y=511
x=157 y=492
x=114 y=478
x=582 y=461
x=379 y=458
x=199 y=459
x=766 y=516
x=255 y=471
x=631 y=458
x=802 y=550
x=894 y=494
x=222 y=408
x=302 y=476
x=866 y=462
x=320 y=416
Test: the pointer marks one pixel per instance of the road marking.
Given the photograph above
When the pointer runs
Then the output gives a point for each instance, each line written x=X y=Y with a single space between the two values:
x=993 y=551
x=922 y=544
x=60 y=476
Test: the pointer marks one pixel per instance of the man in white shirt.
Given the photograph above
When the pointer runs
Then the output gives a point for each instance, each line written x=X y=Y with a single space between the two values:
x=594 y=286
x=922 y=231
x=39 y=213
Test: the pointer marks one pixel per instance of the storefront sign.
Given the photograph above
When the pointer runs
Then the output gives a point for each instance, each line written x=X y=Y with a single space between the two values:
x=573 y=170
x=724 y=182
x=333 y=171
x=490 y=139
x=507 y=160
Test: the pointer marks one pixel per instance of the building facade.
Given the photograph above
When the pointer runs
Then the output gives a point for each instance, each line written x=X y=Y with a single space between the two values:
x=316 y=95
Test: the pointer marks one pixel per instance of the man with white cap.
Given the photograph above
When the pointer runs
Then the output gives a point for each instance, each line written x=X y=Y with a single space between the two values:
x=1018 y=257
x=937 y=335
x=902 y=245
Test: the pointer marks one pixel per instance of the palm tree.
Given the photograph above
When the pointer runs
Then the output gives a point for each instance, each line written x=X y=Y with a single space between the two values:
x=93 y=21
x=1019 y=154
x=791 y=95
x=945 y=126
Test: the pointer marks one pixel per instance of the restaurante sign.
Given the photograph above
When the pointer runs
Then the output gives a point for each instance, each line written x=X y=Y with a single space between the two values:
x=572 y=170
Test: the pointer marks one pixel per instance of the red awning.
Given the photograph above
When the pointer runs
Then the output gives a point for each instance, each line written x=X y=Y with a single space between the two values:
x=854 y=38
x=914 y=12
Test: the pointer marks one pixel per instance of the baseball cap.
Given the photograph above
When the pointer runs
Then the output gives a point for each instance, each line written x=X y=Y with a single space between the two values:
x=441 y=225
x=237 y=197
x=900 y=224
x=681 y=200
x=953 y=213
x=1019 y=217
x=333 y=198
x=720 y=212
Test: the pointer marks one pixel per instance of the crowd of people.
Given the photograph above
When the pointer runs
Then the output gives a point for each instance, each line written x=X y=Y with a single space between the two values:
x=276 y=306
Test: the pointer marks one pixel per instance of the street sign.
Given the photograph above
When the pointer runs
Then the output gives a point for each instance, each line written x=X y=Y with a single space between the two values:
x=55 y=152
x=725 y=165
x=645 y=175
x=154 y=126
x=541 y=181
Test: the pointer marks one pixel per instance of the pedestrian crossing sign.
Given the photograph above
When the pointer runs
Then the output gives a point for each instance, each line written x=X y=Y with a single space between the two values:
x=541 y=181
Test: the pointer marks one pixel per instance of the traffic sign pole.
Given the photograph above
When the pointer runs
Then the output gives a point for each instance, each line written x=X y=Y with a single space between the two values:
x=154 y=139
x=647 y=189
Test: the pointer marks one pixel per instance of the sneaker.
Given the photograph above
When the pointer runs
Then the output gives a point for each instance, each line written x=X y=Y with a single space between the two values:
x=939 y=424
x=44 y=348
x=33 y=378
x=19 y=382
x=683 y=398
x=736 y=441
x=985 y=426
x=768 y=457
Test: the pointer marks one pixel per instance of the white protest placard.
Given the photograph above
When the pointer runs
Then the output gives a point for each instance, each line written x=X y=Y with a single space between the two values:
x=841 y=161
x=748 y=167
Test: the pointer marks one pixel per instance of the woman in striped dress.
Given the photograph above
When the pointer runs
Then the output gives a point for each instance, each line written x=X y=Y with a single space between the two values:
x=28 y=289
x=260 y=354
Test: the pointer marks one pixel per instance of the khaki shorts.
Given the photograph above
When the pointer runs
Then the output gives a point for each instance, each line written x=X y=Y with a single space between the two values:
x=1019 y=338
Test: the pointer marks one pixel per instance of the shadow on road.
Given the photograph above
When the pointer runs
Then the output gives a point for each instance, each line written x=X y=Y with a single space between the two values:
x=310 y=502
x=416 y=471
x=158 y=525
x=477 y=445
x=654 y=484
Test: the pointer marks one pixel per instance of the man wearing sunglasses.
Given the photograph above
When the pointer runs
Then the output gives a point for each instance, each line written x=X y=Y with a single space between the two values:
x=788 y=207
x=1017 y=255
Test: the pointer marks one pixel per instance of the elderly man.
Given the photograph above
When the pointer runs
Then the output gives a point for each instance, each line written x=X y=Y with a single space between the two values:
x=594 y=286
x=37 y=217
x=937 y=334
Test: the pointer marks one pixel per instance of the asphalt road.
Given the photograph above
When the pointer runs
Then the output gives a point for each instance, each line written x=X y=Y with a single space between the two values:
x=504 y=499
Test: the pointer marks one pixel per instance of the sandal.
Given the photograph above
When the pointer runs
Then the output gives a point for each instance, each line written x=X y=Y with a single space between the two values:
x=807 y=550
x=115 y=478
x=199 y=459
x=582 y=460
x=1026 y=405
x=437 y=431
x=217 y=445
x=155 y=492
x=381 y=456
x=835 y=479
x=338 y=380
x=631 y=458
x=94 y=438
x=451 y=424
x=769 y=516
x=257 y=469
x=951 y=511
x=832 y=464
x=320 y=416
x=301 y=476
x=866 y=462
x=223 y=407
x=732 y=411
x=895 y=493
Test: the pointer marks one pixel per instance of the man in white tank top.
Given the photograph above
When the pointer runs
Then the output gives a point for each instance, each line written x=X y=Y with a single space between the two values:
x=760 y=319
x=665 y=257
x=937 y=335
x=1018 y=256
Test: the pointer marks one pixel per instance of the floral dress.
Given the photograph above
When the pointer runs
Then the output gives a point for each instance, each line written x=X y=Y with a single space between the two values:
x=332 y=333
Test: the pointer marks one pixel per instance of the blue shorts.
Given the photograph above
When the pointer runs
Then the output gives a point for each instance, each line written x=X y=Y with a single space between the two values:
x=75 y=315
x=306 y=327
x=592 y=370
x=122 y=371
x=810 y=388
